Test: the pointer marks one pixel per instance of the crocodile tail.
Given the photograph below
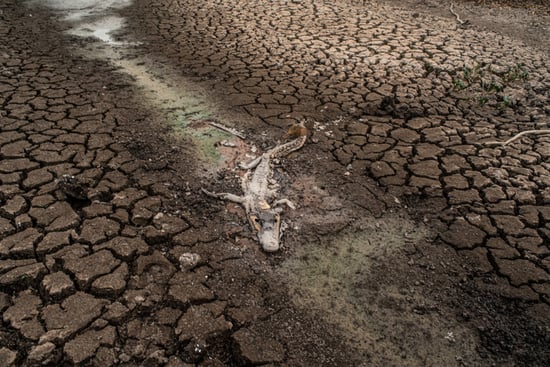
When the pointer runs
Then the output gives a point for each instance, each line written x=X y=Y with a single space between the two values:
x=287 y=148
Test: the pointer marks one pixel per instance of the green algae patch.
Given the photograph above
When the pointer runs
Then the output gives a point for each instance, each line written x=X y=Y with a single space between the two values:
x=204 y=137
x=187 y=106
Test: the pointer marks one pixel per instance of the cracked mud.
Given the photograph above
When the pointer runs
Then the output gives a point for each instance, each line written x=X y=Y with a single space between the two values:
x=414 y=242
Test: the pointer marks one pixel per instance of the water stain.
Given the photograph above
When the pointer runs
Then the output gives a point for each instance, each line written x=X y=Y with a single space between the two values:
x=186 y=106
x=355 y=281
x=325 y=276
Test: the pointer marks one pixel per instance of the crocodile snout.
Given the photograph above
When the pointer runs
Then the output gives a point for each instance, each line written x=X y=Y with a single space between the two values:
x=269 y=241
x=267 y=224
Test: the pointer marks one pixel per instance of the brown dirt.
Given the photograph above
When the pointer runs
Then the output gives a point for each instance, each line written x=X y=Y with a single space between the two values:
x=413 y=243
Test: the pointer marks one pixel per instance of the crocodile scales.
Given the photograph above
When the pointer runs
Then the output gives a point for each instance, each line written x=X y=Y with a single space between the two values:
x=264 y=214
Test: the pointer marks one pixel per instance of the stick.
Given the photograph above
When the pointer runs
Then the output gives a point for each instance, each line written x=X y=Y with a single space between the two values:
x=517 y=136
x=227 y=129
x=462 y=22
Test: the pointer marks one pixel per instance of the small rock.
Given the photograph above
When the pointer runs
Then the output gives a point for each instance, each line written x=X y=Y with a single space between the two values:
x=189 y=260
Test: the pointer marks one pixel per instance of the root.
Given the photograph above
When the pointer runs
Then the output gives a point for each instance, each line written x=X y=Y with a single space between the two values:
x=517 y=136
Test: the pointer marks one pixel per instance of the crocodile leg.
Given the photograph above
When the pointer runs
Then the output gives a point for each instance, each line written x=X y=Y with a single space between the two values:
x=225 y=196
x=244 y=181
x=286 y=202
x=251 y=164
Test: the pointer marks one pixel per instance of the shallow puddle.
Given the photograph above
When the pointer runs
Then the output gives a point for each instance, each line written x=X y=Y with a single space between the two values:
x=102 y=29
x=75 y=10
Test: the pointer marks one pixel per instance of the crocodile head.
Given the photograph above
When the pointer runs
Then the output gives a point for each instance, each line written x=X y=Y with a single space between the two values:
x=267 y=224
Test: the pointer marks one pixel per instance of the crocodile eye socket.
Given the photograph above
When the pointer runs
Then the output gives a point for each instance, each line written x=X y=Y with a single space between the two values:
x=256 y=222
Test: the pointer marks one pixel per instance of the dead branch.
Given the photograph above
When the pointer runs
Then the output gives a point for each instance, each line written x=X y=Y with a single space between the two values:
x=227 y=129
x=517 y=136
x=462 y=22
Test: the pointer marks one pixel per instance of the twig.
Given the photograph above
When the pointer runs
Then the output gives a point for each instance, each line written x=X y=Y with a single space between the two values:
x=517 y=136
x=227 y=129
x=462 y=22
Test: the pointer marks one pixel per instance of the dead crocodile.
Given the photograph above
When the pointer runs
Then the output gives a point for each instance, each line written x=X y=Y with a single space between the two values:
x=264 y=214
